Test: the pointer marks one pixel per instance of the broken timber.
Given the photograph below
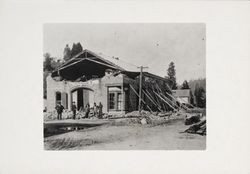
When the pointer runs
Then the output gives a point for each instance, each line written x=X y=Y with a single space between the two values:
x=164 y=100
x=158 y=107
x=141 y=99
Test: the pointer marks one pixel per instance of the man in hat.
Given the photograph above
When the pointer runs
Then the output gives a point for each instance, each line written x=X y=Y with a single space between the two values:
x=73 y=108
x=59 y=109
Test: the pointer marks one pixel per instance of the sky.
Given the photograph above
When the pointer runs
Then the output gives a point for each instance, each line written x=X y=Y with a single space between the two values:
x=153 y=45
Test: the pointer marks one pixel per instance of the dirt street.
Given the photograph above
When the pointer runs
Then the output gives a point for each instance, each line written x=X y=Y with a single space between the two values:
x=134 y=137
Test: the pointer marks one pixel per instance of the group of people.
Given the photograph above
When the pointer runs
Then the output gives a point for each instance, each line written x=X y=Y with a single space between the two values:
x=97 y=110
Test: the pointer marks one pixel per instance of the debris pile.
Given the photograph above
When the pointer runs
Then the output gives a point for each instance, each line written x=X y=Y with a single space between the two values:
x=53 y=115
x=198 y=125
x=192 y=118
x=145 y=117
x=198 y=128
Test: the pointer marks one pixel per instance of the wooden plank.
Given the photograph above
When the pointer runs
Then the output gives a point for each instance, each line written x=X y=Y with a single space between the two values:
x=164 y=100
x=151 y=100
x=176 y=100
x=138 y=96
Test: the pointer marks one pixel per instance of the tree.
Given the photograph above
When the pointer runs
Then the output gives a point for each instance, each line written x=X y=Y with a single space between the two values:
x=76 y=49
x=185 y=85
x=66 y=53
x=47 y=62
x=191 y=98
x=200 y=96
x=171 y=75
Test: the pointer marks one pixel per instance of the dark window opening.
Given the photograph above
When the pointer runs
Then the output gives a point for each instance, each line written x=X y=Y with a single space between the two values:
x=58 y=97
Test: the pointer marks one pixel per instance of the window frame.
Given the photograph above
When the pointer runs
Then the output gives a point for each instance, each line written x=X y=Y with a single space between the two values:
x=116 y=100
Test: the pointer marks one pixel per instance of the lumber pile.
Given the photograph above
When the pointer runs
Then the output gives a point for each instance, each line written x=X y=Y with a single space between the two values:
x=191 y=119
x=198 y=128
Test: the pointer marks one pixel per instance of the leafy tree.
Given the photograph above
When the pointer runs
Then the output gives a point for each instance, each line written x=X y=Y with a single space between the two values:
x=66 y=53
x=172 y=75
x=185 y=85
x=49 y=64
x=76 y=49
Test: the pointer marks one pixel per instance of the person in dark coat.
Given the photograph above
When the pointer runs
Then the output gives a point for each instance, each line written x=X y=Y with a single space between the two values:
x=87 y=110
x=95 y=109
x=59 y=109
x=73 y=108
x=100 y=110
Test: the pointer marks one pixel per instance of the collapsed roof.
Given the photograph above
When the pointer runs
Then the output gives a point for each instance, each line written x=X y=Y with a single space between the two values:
x=89 y=64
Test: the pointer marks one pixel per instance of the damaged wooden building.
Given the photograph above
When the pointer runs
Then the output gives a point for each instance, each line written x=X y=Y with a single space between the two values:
x=90 y=78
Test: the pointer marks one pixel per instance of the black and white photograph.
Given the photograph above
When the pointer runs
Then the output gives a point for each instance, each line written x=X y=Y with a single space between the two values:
x=118 y=87
x=124 y=86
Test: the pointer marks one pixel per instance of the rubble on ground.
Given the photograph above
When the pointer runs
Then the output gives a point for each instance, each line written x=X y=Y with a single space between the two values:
x=134 y=117
x=146 y=117
x=53 y=115
x=198 y=128
x=197 y=120
x=192 y=118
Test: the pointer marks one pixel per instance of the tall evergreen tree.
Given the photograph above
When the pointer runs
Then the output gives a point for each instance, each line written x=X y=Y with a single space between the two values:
x=200 y=96
x=76 y=49
x=172 y=75
x=185 y=85
x=66 y=53
x=191 y=98
x=47 y=62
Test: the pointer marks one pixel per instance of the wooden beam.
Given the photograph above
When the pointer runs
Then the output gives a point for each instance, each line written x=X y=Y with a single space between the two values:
x=102 y=63
x=152 y=100
x=177 y=101
x=71 y=64
x=162 y=94
x=164 y=100
x=138 y=96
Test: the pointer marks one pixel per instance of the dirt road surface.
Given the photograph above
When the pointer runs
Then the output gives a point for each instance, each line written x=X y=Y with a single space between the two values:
x=134 y=137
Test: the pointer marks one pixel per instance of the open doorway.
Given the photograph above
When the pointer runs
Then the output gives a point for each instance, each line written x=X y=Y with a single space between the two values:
x=81 y=97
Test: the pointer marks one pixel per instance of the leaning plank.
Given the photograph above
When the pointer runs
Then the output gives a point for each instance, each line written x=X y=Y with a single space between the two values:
x=151 y=100
x=164 y=100
x=176 y=100
x=139 y=97
x=163 y=96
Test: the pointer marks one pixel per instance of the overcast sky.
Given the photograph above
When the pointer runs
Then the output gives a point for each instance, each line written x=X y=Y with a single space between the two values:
x=152 y=45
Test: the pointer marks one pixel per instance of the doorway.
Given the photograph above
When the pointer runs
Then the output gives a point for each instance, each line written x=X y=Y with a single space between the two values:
x=81 y=97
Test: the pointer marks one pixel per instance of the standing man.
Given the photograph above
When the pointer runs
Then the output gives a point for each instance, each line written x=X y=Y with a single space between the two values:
x=87 y=110
x=59 y=109
x=100 y=110
x=73 y=108
x=95 y=109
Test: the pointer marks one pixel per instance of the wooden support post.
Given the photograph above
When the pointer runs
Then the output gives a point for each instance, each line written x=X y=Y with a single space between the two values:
x=140 y=88
x=141 y=99
x=149 y=98
x=156 y=102
x=162 y=95
x=176 y=100
x=164 y=101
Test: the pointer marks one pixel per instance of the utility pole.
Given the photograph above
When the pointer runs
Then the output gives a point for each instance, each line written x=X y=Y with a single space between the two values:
x=140 y=87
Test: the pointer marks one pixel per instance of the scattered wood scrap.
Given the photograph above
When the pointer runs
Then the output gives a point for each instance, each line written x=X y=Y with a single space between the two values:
x=198 y=128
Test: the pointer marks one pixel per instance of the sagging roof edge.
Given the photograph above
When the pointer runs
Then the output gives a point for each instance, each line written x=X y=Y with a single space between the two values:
x=94 y=54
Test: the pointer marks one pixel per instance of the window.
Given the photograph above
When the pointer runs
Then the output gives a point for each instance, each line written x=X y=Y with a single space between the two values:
x=115 y=98
x=58 y=97
x=119 y=101
x=111 y=100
